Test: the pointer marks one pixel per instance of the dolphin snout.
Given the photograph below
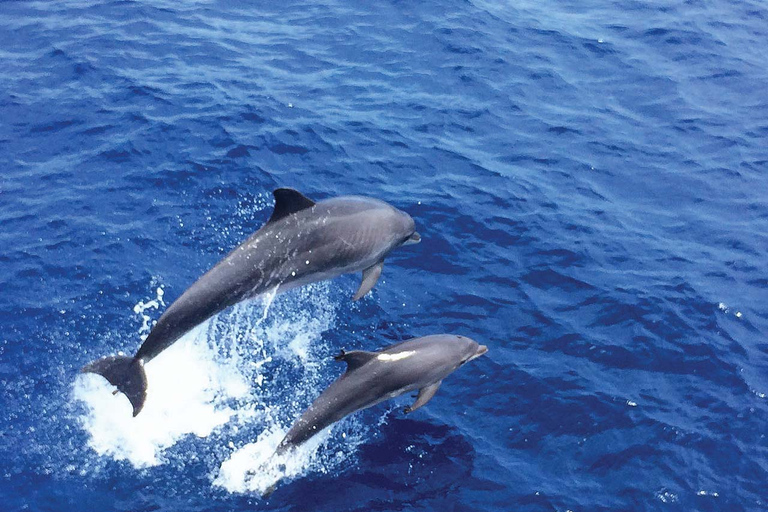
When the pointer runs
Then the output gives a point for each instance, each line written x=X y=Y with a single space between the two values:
x=413 y=239
x=481 y=349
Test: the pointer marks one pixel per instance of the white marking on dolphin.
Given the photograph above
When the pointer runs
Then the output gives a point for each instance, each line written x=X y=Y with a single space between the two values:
x=395 y=357
x=303 y=242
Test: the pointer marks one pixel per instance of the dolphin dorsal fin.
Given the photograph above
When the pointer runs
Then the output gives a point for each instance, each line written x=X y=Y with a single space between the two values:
x=289 y=201
x=355 y=358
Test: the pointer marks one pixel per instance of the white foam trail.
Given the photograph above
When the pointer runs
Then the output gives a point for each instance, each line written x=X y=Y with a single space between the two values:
x=142 y=306
x=293 y=336
x=224 y=372
x=255 y=468
x=186 y=392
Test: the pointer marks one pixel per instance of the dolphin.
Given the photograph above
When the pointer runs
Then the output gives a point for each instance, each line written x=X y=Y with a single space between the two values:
x=303 y=242
x=372 y=377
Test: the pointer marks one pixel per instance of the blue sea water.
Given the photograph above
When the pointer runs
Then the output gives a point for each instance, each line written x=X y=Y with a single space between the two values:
x=590 y=181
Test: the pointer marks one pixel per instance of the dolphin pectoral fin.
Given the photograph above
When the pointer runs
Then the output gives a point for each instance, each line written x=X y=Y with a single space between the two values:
x=425 y=395
x=370 y=276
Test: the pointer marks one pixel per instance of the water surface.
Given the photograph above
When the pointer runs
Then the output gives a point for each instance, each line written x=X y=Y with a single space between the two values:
x=590 y=183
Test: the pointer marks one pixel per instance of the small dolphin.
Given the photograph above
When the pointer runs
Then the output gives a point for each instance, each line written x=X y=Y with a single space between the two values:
x=372 y=377
x=303 y=242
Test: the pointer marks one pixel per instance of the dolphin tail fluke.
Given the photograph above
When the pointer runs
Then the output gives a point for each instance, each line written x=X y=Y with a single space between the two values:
x=126 y=374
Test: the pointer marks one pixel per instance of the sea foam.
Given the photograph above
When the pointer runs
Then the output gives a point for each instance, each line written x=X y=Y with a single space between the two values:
x=223 y=373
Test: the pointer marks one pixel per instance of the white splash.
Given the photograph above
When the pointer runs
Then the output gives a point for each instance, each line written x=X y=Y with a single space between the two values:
x=223 y=372
x=142 y=306
x=269 y=297
x=256 y=468
x=722 y=306
x=294 y=337
x=185 y=394
x=667 y=496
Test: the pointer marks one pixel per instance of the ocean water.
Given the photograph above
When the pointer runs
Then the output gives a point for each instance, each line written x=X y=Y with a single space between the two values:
x=590 y=181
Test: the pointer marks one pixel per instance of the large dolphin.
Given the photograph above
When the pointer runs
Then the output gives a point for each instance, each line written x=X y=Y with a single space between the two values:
x=303 y=242
x=372 y=377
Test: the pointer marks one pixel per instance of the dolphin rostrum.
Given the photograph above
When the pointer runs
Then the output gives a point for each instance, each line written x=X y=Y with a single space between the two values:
x=372 y=377
x=303 y=242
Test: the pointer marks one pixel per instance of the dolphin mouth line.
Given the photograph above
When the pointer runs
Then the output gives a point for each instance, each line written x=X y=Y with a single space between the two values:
x=482 y=349
x=413 y=239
